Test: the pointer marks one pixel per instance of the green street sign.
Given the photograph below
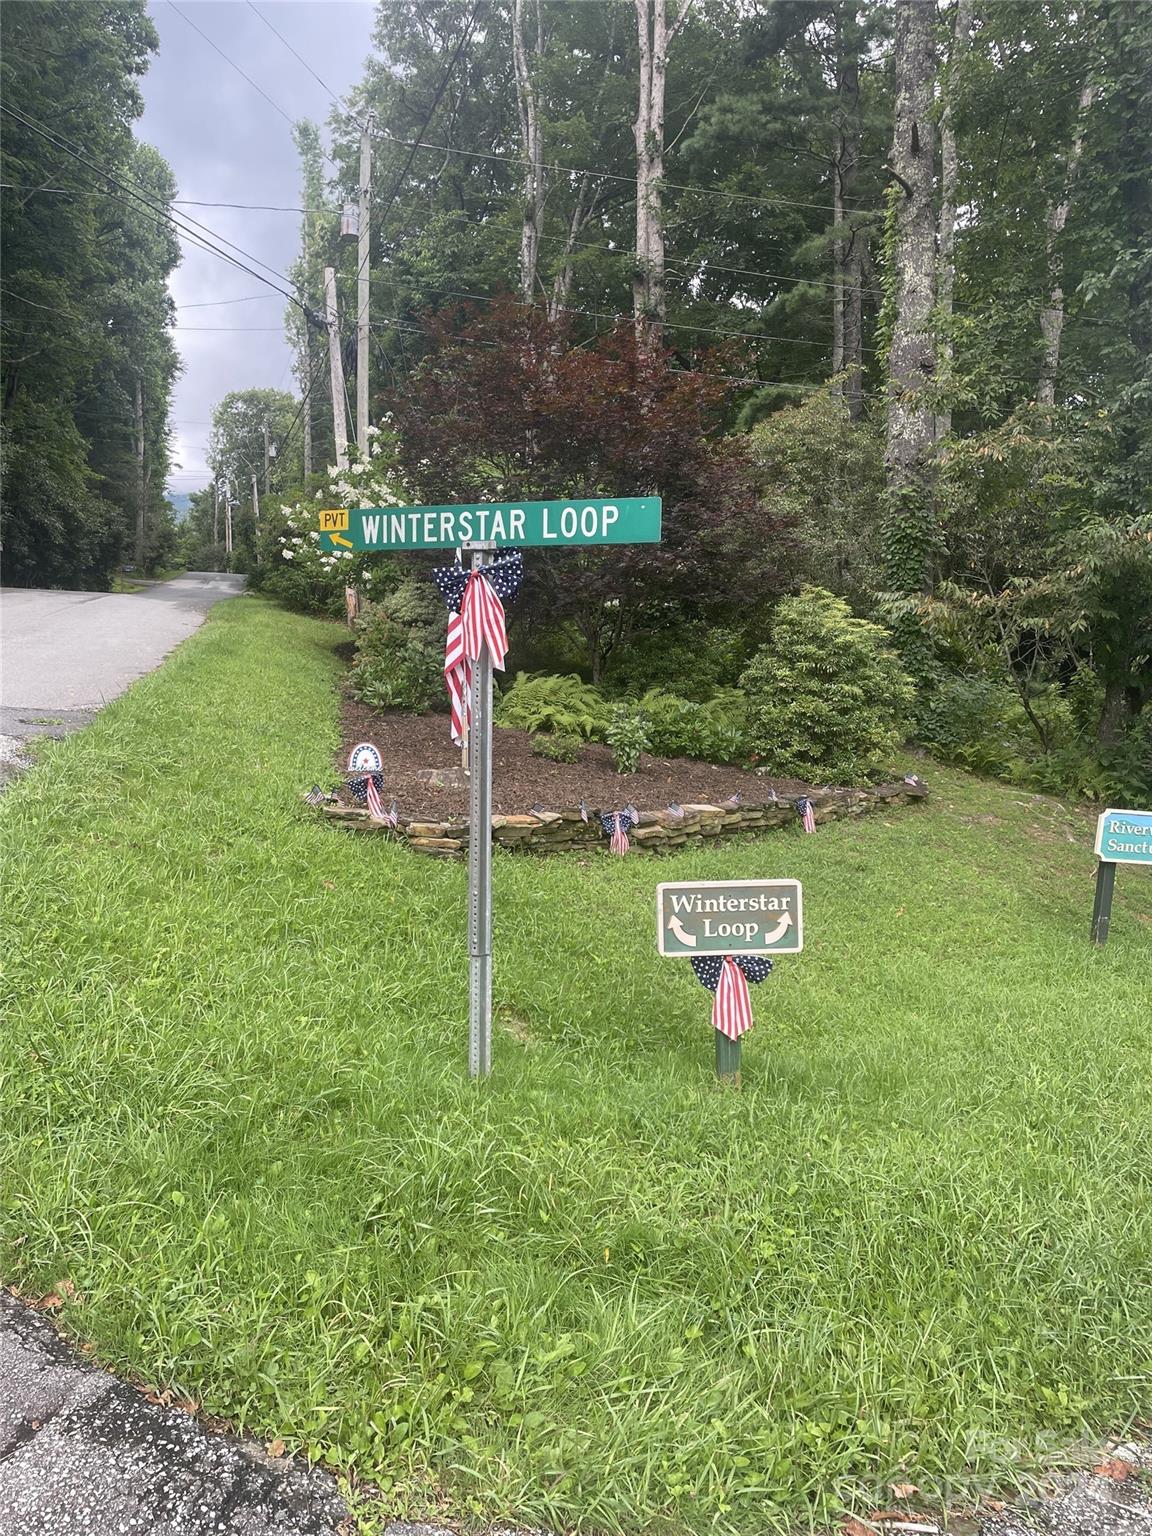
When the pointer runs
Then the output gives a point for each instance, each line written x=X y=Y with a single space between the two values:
x=525 y=524
x=730 y=917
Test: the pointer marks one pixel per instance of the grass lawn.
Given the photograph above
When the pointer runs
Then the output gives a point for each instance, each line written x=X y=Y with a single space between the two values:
x=234 y=1113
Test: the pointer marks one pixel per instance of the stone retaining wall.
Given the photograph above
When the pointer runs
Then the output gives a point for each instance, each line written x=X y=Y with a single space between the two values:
x=565 y=832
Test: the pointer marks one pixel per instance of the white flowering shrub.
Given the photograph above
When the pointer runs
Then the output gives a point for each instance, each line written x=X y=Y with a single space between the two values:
x=302 y=574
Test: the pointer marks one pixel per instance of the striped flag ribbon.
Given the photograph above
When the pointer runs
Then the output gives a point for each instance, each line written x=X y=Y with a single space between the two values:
x=482 y=614
x=615 y=826
x=619 y=841
x=807 y=815
x=375 y=804
x=456 y=680
x=732 y=1007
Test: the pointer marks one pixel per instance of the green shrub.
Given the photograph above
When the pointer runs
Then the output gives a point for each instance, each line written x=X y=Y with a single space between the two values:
x=826 y=698
x=976 y=722
x=564 y=706
x=691 y=661
x=397 y=667
x=627 y=736
x=558 y=749
x=714 y=732
x=301 y=588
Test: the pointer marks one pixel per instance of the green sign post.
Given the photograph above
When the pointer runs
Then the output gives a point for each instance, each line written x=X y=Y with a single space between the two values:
x=1122 y=837
x=522 y=524
x=729 y=917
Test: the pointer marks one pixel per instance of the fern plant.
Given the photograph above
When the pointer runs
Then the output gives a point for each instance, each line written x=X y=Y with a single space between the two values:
x=562 y=705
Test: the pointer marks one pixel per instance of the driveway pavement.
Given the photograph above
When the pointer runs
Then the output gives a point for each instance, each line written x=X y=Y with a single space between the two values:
x=63 y=655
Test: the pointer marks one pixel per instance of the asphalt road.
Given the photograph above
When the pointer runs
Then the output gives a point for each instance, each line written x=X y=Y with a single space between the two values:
x=63 y=655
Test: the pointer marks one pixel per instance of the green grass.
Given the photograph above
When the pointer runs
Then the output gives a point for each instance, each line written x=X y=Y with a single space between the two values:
x=234 y=1112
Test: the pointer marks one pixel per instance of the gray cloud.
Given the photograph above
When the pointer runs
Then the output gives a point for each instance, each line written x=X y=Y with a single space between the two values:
x=227 y=144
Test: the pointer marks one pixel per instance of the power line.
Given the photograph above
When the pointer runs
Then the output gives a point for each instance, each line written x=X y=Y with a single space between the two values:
x=293 y=52
x=177 y=202
x=291 y=121
x=202 y=239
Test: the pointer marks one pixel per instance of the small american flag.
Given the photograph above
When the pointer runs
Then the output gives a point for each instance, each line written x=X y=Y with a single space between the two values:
x=375 y=805
x=676 y=811
x=316 y=796
x=807 y=815
x=583 y=810
x=456 y=680
x=391 y=817
x=732 y=801
x=727 y=976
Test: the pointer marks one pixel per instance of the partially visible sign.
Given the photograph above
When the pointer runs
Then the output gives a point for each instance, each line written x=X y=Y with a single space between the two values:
x=1124 y=837
x=730 y=917
x=364 y=758
x=537 y=524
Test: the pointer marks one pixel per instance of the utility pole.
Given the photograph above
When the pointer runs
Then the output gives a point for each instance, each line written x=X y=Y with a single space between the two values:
x=336 y=369
x=256 y=506
x=227 y=518
x=141 y=490
x=215 y=511
x=267 y=456
x=363 y=253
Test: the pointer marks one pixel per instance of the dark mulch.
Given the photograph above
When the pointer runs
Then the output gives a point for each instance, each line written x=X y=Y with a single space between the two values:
x=409 y=743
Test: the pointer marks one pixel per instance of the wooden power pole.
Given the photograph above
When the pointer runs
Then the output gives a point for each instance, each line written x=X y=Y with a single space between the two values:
x=336 y=369
x=363 y=255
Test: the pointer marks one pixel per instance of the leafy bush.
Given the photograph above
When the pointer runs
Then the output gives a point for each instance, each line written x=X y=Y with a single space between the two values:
x=977 y=722
x=714 y=732
x=565 y=706
x=826 y=698
x=558 y=749
x=302 y=588
x=627 y=736
x=396 y=667
x=690 y=660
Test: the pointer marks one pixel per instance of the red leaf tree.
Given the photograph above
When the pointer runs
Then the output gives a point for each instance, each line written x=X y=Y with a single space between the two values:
x=503 y=407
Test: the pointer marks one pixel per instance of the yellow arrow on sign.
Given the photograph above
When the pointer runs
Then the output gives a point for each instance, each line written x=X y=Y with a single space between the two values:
x=339 y=539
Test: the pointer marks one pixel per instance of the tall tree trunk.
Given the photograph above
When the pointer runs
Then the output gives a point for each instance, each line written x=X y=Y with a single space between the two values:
x=847 y=243
x=141 y=484
x=649 y=297
x=1052 y=315
x=562 y=283
x=910 y=533
x=949 y=179
x=532 y=141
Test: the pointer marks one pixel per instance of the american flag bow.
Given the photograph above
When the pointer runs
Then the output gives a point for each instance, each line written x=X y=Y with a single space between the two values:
x=358 y=788
x=616 y=825
x=727 y=976
x=476 y=595
x=456 y=680
x=807 y=815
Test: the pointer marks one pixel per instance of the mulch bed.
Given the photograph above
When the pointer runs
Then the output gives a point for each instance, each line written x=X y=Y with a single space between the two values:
x=412 y=743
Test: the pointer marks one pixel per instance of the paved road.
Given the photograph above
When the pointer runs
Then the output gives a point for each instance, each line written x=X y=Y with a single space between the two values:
x=63 y=655
x=82 y=1454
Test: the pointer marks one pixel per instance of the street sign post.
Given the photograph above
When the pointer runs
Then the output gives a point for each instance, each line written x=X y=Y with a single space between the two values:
x=696 y=918
x=1122 y=837
x=524 y=524
x=730 y=917
x=480 y=528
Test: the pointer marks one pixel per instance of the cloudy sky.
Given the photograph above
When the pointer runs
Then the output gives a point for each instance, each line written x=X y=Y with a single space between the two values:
x=227 y=144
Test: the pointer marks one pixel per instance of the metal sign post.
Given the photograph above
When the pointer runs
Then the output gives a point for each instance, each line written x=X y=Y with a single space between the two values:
x=480 y=858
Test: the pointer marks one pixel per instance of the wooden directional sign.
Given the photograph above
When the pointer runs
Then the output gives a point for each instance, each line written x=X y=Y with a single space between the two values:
x=730 y=917
x=1124 y=837
x=525 y=524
